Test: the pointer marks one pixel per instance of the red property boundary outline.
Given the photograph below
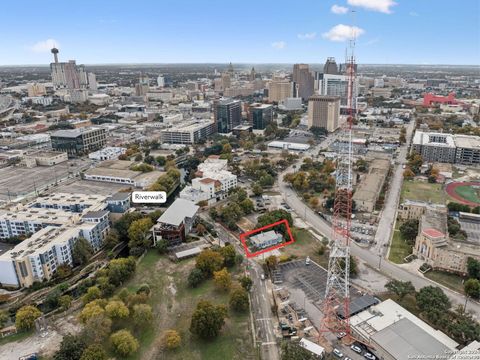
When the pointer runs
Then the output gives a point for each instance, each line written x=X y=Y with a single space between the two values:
x=243 y=238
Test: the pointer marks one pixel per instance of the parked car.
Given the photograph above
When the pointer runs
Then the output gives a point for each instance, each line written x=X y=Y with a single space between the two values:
x=337 y=353
x=356 y=349
x=369 y=356
x=262 y=277
x=341 y=335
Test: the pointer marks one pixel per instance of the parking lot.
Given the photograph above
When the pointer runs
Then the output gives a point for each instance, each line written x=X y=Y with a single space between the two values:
x=310 y=279
x=19 y=181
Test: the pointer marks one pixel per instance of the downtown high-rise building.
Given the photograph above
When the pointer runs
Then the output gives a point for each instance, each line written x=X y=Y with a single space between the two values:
x=67 y=75
x=324 y=112
x=304 y=81
x=330 y=67
x=279 y=90
x=260 y=115
x=227 y=114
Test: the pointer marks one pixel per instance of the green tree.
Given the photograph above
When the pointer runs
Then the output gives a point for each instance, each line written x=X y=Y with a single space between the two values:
x=91 y=310
x=195 y=277
x=138 y=234
x=171 y=339
x=161 y=161
x=116 y=309
x=409 y=230
x=472 y=288
x=71 y=348
x=162 y=246
x=93 y=293
x=228 y=253
x=94 y=352
x=222 y=279
x=400 y=288
x=291 y=350
x=142 y=315
x=209 y=261
x=122 y=225
x=111 y=240
x=97 y=329
x=257 y=189
x=207 y=319
x=432 y=301
x=239 y=299
x=3 y=318
x=26 y=316
x=82 y=251
x=473 y=268
x=246 y=282
x=120 y=270
x=247 y=206
x=463 y=327
x=124 y=343
x=64 y=302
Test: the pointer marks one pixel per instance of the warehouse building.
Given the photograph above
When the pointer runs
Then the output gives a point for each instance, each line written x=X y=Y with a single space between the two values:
x=367 y=192
x=396 y=334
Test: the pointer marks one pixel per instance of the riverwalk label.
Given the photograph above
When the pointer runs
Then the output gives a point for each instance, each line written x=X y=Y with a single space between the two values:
x=149 y=197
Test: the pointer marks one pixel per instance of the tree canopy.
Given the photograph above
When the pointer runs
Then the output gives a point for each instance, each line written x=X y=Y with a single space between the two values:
x=207 y=319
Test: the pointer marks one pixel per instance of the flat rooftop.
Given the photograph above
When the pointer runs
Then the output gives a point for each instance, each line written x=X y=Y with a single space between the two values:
x=380 y=316
x=406 y=340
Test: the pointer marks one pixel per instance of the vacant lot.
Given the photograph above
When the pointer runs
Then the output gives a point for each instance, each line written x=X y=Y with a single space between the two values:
x=305 y=245
x=399 y=248
x=173 y=303
x=421 y=191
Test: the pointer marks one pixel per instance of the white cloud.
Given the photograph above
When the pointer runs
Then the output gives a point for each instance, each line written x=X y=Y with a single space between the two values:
x=45 y=46
x=307 y=36
x=372 y=41
x=342 y=32
x=374 y=5
x=279 y=45
x=337 y=9
x=413 y=13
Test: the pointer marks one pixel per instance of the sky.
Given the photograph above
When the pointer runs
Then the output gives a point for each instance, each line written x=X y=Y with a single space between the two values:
x=243 y=31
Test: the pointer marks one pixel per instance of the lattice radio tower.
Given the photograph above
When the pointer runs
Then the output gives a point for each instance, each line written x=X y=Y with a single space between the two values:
x=337 y=295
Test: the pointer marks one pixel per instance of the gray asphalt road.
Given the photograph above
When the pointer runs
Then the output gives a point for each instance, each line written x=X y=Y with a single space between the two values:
x=389 y=212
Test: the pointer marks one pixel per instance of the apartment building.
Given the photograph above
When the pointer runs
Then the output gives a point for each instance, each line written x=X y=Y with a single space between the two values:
x=176 y=222
x=367 y=192
x=447 y=148
x=23 y=221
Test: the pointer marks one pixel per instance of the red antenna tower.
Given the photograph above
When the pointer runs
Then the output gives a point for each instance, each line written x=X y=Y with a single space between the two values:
x=337 y=293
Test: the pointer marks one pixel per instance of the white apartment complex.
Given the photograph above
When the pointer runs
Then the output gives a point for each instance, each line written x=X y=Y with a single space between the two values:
x=447 y=148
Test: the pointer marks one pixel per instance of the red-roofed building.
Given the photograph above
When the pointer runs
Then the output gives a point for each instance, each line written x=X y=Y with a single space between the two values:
x=429 y=99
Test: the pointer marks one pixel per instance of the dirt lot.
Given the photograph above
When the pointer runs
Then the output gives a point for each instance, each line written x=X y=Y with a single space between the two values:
x=45 y=344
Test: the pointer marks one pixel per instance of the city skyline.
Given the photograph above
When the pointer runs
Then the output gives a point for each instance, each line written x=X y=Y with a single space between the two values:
x=190 y=32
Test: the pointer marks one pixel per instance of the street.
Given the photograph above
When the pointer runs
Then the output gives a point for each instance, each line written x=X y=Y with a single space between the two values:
x=389 y=212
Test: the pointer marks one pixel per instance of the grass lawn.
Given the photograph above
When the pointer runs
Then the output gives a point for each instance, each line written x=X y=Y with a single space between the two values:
x=399 y=248
x=173 y=303
x=468 y=192
x=452 y=281
x=16 y=337
x=305 y=245
x=421 y=191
